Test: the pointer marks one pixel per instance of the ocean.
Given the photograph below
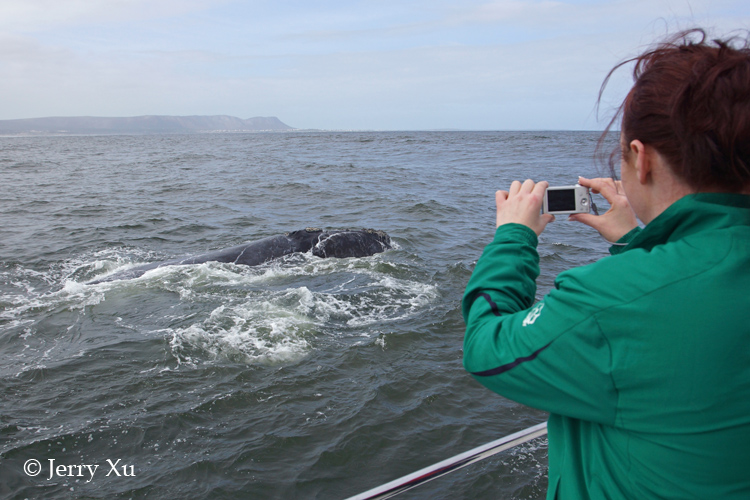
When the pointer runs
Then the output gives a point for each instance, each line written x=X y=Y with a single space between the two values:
x=301 y=378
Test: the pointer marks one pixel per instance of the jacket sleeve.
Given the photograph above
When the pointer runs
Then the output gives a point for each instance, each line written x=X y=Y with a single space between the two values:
x=551 y=356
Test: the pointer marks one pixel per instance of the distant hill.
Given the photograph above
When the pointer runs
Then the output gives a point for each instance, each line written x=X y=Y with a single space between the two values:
x=141 y=125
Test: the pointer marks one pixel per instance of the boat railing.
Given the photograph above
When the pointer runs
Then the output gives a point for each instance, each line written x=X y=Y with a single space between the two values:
x=439 y=469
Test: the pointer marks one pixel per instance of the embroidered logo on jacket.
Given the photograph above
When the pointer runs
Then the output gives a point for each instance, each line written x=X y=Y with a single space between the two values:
x=533 y=314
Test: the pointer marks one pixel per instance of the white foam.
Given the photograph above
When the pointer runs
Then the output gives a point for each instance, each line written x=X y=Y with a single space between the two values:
x=251 y=333
x=274 y=313
x=284 y=325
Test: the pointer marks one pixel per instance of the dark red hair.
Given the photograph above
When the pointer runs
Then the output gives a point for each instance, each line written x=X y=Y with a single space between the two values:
x=691 y=102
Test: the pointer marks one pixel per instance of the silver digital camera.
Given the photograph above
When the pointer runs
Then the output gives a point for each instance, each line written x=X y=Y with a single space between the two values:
x=567 y=200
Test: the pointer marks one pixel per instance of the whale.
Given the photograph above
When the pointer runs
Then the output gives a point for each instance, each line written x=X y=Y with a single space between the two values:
x=323 y=243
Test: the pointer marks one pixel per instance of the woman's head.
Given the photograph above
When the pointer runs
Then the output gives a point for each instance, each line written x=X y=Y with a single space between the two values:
x=691 y=102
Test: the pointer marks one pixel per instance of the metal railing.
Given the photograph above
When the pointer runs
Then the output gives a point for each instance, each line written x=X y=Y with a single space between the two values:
x=439 y=469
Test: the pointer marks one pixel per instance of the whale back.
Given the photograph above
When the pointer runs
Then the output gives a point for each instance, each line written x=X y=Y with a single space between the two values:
x=346 y=243
x=249 y=254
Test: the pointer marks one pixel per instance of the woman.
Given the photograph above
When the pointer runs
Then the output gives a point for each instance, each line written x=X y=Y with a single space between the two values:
x=642 y=358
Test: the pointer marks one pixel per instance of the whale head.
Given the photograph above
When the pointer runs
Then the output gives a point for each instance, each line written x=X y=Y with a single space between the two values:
x=351 y=243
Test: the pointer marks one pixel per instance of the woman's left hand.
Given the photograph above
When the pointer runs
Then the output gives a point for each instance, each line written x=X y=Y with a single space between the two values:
x=522 y=204
x=619 y=219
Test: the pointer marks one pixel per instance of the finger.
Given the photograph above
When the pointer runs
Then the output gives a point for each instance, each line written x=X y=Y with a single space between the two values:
x=589 y=183
x=515 y=187
x=604 y=186
x=588 y=219
x=540 y=188
x=599 y=182
x=528 y=186
x=579 y=217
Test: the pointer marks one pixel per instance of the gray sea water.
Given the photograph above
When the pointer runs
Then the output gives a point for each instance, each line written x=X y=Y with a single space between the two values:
x=301 y=378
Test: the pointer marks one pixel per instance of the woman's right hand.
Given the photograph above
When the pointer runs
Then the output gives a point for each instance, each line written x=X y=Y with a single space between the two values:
x=619 y=219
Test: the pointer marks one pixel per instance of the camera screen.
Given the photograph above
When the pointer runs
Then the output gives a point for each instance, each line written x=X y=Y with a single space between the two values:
x=561 y=200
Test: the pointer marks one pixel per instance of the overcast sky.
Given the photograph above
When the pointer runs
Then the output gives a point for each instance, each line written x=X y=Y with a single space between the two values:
x=377 y=65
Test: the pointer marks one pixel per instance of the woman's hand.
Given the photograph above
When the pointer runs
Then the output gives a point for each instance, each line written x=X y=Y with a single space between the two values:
x=619 y=219
x=522 y=204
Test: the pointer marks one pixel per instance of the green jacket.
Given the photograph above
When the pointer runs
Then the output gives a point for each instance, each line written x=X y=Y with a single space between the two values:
x=642 y=358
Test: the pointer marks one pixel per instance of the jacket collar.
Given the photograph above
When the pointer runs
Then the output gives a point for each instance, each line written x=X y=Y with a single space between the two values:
x=694 y=213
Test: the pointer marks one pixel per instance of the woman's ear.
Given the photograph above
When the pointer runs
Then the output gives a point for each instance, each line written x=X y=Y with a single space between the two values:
x=643 y=160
